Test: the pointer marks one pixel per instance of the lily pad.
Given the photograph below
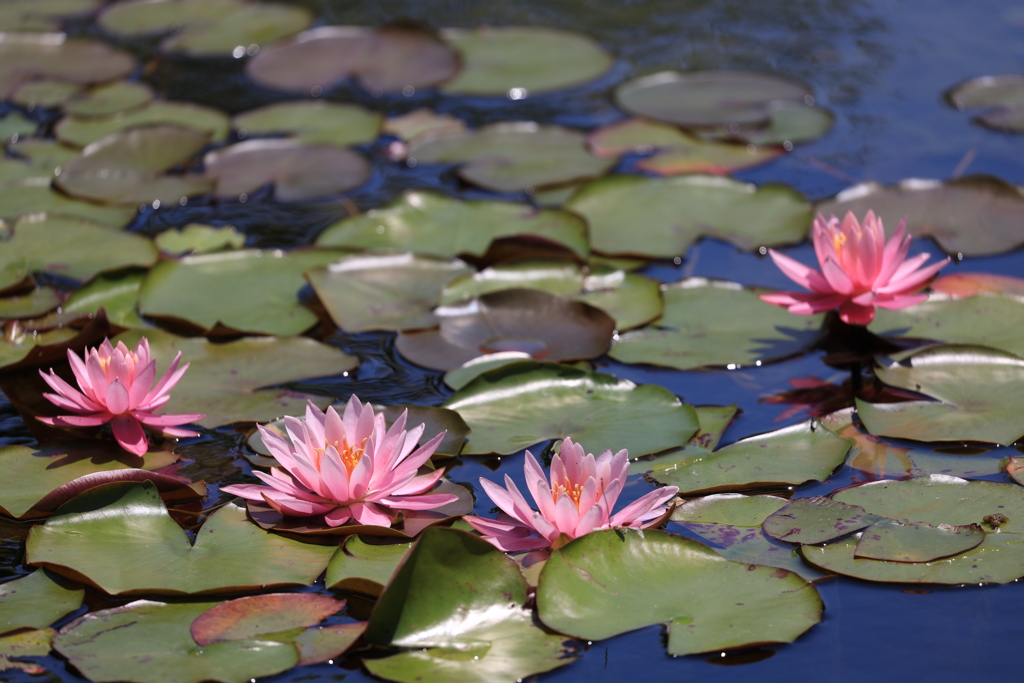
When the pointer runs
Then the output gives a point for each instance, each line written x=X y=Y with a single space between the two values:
x=610 y=582
x=197 y=238
x=149 y=642
x=127 y=167
x=81 y=131
x=669 y=214
x=112 y=98
x=383 y=291
x=789 y=122
x=226 y=381
x=976 y=215
x=1015 y=469
x=546 y=326
x=734 y=509
x=517 y=61
x=297 y=170
x=816 y=520
x=32 y=305
x=39 y=94
x=513 y=156
x=20 y=199
x=471 y=369
x=428 y=223
x=36 y=601
x=1001 y=96
x=362 y=567
x=35 y=643
x=257 y=291
x=42 y=15
x=14 y=126
x=975 y=391
x=899 y=542
x=204 y=28
x=259 y=615
x=960 y=285
x=519 y=405
x=422 y=122
x=383 y=59
x=29 y=56
x=35 y=158
x=312 y=122
x=693 y=333
x=118 y=296
x=120 y=539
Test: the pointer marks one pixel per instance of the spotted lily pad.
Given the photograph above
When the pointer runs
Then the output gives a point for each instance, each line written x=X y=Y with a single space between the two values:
x=364 y=568
x=42 y=15
x=387 y=58
x=297 y=170
x=610 y=582
x=1001 y=97
x=519 y=405
x=669 y=214
x=81 y=131
x=197 y=238
x=312 y=122
x=900 y=542
x=429 y=223
x=516 y=61
x=515 y=156
x=36 y=601
x=28 y=56
x=975 y=392
x=257 y=290
x=816 y=520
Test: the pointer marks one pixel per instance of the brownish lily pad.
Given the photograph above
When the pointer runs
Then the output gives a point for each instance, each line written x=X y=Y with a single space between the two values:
x=258 y=615
x=972 y=284
x=28 y=56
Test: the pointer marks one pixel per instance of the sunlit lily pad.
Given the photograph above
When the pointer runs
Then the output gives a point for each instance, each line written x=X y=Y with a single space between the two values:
x=120 y=538
x=517 y=61
x=816 y=520
x=362 y=567
x=36 y=601
x=669 y=214
x=110 y=99
x=523 y=404
x=225 y=381
x=297 y=170
x=383 y=291
x=197 y=238
x=22 y=347
x=975 y=390
x=900 y=542
x=82 y=131
x=510 y=157
x=118 y=296
x=692 y=333
x=34 y=643
x=1002 y=98
x=386 y=58
x=31 y=305
x=149 y=642
x=429 y=223
x=471 y=369
x=614 y=581
x=462 y=600
x=28 y=56
x=259 y=615
x=127 y=167
x=974 y=215
x=312 y=122
x=206 y=27
x=42 y=15
x=257 y=290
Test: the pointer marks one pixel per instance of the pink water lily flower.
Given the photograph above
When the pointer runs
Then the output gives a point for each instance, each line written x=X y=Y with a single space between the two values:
x=859 y=270
x=117 y=387
x=347 y=467
x=579 y=499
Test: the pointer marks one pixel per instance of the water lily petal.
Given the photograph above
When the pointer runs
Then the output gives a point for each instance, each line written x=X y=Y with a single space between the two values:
x=129 y=434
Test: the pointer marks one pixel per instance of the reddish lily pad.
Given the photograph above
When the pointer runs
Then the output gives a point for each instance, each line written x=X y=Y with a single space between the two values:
x=816 y=520
x=901 y=542
x=364 y=568
x=383 y=59
x=1015 y=468
x=81 y=131
x=312 y=122
x=36 y=601
x=28 y=56
x=962 y=285
x=258 y=615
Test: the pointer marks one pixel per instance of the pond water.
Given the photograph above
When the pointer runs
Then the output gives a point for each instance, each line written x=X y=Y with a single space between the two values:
x=880 y=67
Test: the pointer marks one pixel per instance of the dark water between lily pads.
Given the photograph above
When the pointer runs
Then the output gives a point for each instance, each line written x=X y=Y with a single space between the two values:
x=882 y=69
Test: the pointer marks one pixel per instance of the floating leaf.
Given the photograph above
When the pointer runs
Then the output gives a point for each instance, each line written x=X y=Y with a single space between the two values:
x=31 y=305
x=734 y=509
x=519 y=405
x=36 y=601
x=610 y=582
x=323 y=644
x=514 y=156
x=471 y=369
x=975 y=392
x=17 y=199
x=34 y=162
x=14 y=126
x=257 y=291
x=225 y=380
x=149 y=642
x=26 y=644
x=110 y=99
x=259 y=615
x=40 y=94
x=1015 y=468
x=83 y=131
x=297 y=170
x=118 y=296
x=120 y=539
x=517 y=61
x=29 y=56
x=1002 y=96
x=547 y=327
x=816 y=520
x=383 y=291
x=692 y=333
x=312 y=122
x=386 y=58
x=42 y=15
x=422 y=122
x=360 y=567
x=196 y=238
x=961 y=285
x=788 y=123
x=899 y=542
x=669 y=214
x=429 y=223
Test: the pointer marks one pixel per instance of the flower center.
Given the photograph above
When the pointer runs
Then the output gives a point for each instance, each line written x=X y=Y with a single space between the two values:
x=838 y=240
x=350 y=455
x=574 y=491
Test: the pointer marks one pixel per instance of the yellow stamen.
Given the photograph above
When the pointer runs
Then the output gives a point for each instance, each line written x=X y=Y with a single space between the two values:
x=350 y=455
x=574 y=491
x=838 y=240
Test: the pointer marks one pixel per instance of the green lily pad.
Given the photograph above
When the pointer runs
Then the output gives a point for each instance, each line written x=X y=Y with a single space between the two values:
x=109 y=99
x=383 y=291
x=513 y=156
x=1001 y=96
x=734 y=509
x=149 y=642
x=362 y=567
x=257 y=290
x=692 y=333
x=297 y=170
x=519 y=405
x=312 y=122
x=54 y=56
x=127 y=167
x=35 y=643
x=546 y=326
x=461 y=598
x=324 y=643
x=517 y=61
x=260 y=615
x=196 y=238
x=936 y=499
x=36 y=601
x=204 y=28
x=225 y=381
x=975 y=389
x=118 y=296
x=391 y=58
x=429 y=223
x=669 y=214
x=35 y=158
x=422 y=122
x=899 y=542
x=974 y=215
x=32 y=305
x=610 y=582
x=42 y=15
x=788 y=123
x=81 y=131
x=18 y=199
x=40 y=94
x=119 y=538
x=471 y=369
x=816 y=520
x=14 y=126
